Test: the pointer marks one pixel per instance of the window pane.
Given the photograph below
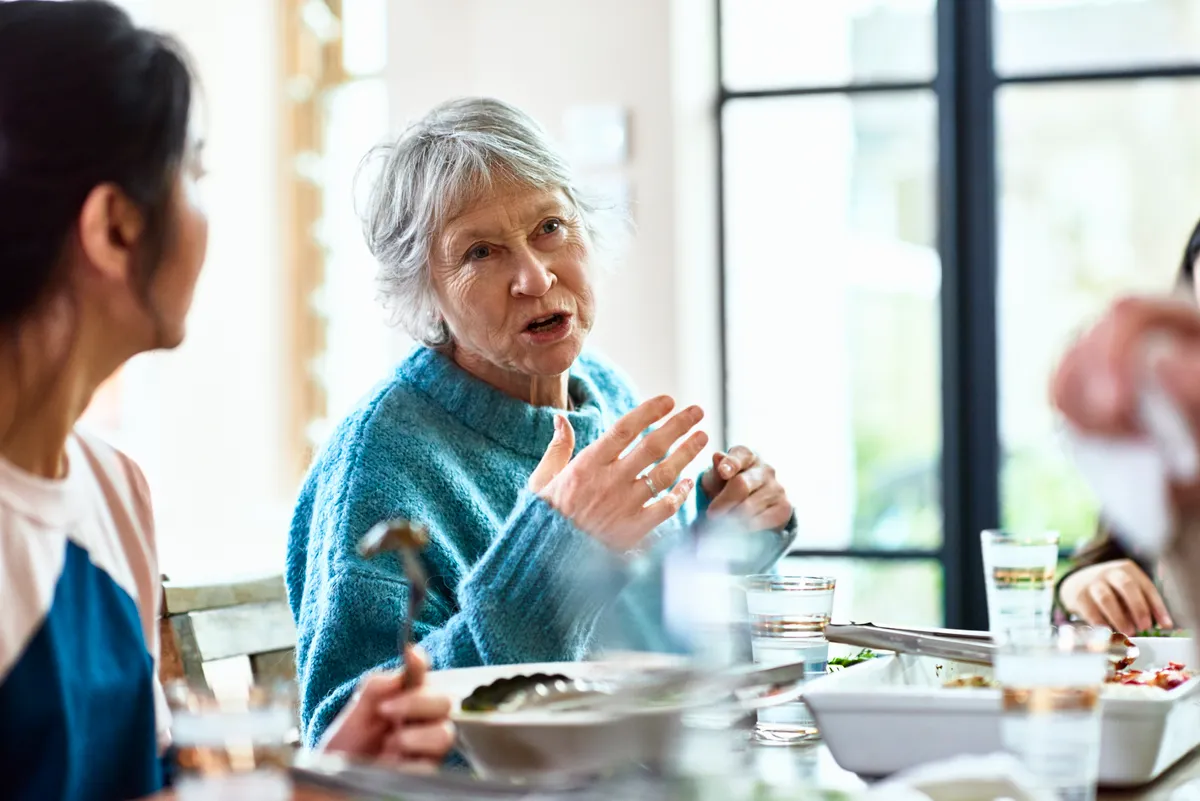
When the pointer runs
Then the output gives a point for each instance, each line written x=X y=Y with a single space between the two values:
x=832 y=283
x=773 y=43
x=894 y=593
x=1100 y=187
x=1048 y=35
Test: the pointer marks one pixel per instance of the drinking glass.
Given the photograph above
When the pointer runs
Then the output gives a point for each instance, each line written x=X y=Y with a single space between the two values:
x=234 y=746
x=788 y=616
x=1051 y=681
x=1019 y=574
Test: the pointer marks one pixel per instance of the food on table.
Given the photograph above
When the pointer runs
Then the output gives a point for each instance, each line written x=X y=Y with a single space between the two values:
x=1175 y=674
x=1159 y=631
x=1168 y=678
x=971 y=681
x=843 y=662
x=490 y=697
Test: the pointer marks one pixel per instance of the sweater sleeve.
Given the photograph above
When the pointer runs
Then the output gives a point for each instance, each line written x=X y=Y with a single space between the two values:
x=535 y=596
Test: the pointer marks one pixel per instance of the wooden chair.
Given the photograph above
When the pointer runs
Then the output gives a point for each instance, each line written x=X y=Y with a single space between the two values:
x=203 y=623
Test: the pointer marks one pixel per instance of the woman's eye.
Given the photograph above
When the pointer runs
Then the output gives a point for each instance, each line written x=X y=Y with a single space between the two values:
x=480 y=252
x=550 y=226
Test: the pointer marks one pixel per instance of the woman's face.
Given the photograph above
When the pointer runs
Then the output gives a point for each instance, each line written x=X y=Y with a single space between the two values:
x=174 y=282
x=511 y=276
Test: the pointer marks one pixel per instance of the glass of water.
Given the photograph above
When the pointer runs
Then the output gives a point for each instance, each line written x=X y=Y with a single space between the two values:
x=788 y=616
x=234 y=746
x=1019 y=573
x=1051 y=680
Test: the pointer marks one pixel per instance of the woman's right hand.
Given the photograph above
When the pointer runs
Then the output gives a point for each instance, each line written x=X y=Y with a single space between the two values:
x=601 y=490
x=1117 y=594
x=1096 y=384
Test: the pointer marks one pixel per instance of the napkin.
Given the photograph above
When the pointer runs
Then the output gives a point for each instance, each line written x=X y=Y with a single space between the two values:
x=964 y=778
x=1131 y=476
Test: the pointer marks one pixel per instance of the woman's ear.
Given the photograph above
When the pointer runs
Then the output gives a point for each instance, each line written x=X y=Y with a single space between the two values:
x=110 y=227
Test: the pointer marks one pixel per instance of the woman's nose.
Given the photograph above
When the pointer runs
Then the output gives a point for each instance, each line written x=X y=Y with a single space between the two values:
x=534 y=277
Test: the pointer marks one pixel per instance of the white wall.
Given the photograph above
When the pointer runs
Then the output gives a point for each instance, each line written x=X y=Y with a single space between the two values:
x=204 y=421
x=657 y=318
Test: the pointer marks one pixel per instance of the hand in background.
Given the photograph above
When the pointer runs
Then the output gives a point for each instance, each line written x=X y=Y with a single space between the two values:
x=739 y=483
x=1116 y=594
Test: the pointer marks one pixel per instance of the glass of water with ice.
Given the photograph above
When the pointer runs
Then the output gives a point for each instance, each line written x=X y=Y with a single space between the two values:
x=1019 y=573
x=788 y=616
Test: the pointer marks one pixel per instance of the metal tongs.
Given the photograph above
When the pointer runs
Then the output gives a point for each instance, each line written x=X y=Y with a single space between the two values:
x=666 y=686
x=961 y=646
x=972 y=647
x=408 y=539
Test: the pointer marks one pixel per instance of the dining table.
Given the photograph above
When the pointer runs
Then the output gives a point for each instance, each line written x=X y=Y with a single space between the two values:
x=813 y=765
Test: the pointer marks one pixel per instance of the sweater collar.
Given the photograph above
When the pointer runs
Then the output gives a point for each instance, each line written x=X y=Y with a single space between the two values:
x=508 y=421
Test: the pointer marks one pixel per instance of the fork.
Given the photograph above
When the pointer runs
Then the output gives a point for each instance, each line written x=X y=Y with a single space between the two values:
x=408 y=539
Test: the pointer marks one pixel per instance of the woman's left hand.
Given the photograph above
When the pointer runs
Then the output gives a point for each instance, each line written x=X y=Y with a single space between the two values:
x=395 y=718
x=741 y=484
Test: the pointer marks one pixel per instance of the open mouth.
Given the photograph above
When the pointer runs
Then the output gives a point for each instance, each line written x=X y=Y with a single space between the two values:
x=547 y=324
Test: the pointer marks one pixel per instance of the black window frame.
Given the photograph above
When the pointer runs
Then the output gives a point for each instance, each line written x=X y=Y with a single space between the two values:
x=965 y=84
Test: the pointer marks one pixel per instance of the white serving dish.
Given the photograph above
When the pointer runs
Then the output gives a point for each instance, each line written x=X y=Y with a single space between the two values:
x=893 y=713
x=520 y=745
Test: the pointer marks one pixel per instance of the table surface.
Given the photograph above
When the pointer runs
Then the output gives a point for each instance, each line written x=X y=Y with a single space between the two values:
x=814 y=765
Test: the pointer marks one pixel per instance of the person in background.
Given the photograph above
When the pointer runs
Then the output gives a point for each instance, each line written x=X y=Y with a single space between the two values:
x=520 y=451
x=101 y=242
x=1108 y=585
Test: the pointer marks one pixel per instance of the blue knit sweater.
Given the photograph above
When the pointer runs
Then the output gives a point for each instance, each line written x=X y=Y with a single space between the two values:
x=510 y=579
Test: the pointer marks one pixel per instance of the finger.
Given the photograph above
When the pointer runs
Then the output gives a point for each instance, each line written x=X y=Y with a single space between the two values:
x=558 y=454
x=1110 y=607
x=1121 y=339
x=668 y=470
x=1131 y=595
x=766 y=496
x=738 y=489
x=665 y=507
x=416 y=666
x=656 y=445
x=774 y=517
x=419 y=706
x=1158 y=607
x=421 y=741
x=1087 y=609
x=738 y=459
x=379 y=685
x=613 y=443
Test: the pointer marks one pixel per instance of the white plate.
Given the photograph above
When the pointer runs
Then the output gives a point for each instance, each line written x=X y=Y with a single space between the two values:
x=893 y=713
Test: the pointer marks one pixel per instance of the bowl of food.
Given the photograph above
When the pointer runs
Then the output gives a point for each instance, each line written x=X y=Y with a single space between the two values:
x=503 y=741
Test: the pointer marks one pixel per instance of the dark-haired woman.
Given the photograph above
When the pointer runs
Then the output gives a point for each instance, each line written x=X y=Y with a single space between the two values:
x=101 y=243
x=1109 y=585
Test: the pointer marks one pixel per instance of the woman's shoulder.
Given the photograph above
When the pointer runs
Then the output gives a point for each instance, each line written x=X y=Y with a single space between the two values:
x=393 y=419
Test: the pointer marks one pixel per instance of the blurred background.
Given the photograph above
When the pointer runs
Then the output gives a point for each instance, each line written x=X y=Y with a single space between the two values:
x=865 y=230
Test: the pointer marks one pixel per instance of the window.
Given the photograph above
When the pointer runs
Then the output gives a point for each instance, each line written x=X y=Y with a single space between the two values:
x=921 y=202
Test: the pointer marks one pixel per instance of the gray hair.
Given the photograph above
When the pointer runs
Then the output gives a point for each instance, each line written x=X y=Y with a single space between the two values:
x=438 y=164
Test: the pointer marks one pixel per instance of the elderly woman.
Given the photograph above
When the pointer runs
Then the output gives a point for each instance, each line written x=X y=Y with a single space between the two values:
x=522 y=454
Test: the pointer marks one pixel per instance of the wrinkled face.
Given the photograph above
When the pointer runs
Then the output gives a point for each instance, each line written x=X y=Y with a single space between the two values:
x=511 y=277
